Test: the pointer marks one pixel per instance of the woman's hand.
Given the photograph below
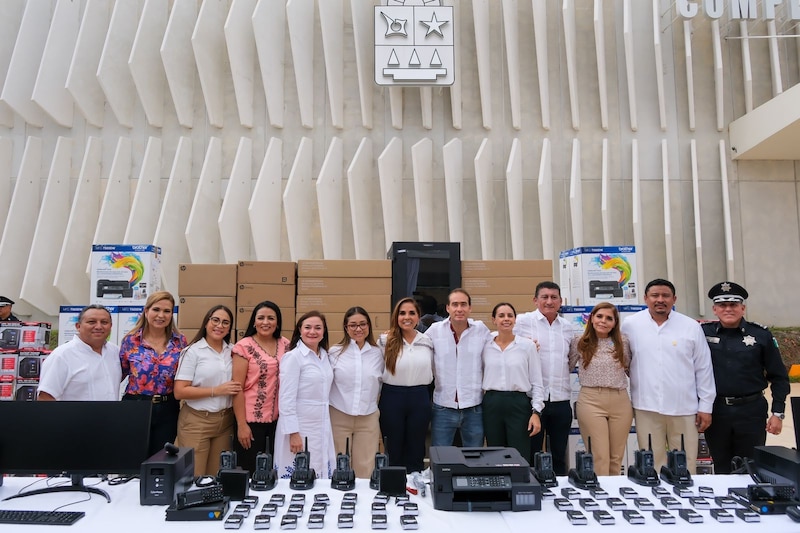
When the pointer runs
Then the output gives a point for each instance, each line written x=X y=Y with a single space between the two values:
x=229 y=388
x=534 y=425
x=295 y=443
x=245 y=435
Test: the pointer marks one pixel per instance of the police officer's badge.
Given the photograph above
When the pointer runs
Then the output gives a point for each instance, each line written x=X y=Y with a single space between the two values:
x=749 y=340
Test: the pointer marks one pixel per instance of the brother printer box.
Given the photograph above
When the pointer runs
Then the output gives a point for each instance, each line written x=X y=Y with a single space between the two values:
x=593 y=274
x=68 y=319
x=483 y=479
x=124 y=274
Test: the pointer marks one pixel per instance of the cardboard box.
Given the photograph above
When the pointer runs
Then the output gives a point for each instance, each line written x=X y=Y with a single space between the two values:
x=27 y=391
x=68 y=318
x=594 y=274
x=284 y=333
x=339 y=268
x=18 y=335
x=484 y=303
x=126 y=318
x=539 y=268
x=328 y=303
x=7 y=386
x=287 y=317
x=578 y=316
x=207 y=280
x=335 y=320
x=344 y=286
x=252 y=294
x=194 y=309
x=8 y=363
x=272 y=272
x=516 y=285
x=124 y=274
x=29 y=365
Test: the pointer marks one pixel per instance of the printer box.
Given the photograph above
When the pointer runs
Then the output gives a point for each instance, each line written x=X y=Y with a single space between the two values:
x=207 y=280
x=7 y=387
x=68 y=319
x=578 y=315
x=29 y=365
x=593 y=274
x=16 y=335
x=126 y=318
x=271 y=272
x=124 y=274
x=344 y=268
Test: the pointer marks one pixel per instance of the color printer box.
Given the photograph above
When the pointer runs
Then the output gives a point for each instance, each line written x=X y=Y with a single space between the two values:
x=593 y=274
x=124 y=274
x=68 y=319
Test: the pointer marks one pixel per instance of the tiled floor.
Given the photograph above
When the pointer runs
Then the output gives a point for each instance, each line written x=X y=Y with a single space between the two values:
x=786 y=438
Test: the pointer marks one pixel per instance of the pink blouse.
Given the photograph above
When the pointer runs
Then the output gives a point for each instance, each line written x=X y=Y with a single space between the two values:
x=261 y=381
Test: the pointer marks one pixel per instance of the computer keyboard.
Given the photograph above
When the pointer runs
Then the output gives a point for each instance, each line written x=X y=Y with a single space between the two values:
x=45 y=518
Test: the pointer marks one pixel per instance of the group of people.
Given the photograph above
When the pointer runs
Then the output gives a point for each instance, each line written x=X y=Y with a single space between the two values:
x=510 y=388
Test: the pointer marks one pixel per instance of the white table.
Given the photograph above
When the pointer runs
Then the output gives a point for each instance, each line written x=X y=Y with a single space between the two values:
x=124 y=514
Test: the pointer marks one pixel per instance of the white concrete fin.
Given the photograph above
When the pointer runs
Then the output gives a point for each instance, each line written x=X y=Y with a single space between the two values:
x=600 y=51
x=455 y=89
x=511 y=31
x=360 y=179
x=202 y=229
x=726 y=210
x=115 y=208
x=363 y=28
x=483 y=184
x=37 y=284
x=605 y=208
x=630 y=67
x=542 y=68
x=234 y=222
x=689 y=59
x=240 y=41
x=208 y=44
x=178 y=59
x=298 y=202
x=10 y=19
x=330 y=200
x=576 y=195
x=331 y=18
x=747 y=67
x=483 y=48
x=113 y=73
x=698 y=228
x=636 y=207
x=6 y=151
x=50 y=90
x=571 y=51
x=146 y=204
x=719 y=75
x=658 y=63
x=426 y=106
x=265 y=212
x=82 y=82
x=667 y=210
x=422 y=168
x=453 y=164
x=396 y=106
x=300 y=21
x=514 y=193
x=147 y=69
x=390 y=173
x=170 y=231
x=545 y=188
x=269 y=27
x=774 y=59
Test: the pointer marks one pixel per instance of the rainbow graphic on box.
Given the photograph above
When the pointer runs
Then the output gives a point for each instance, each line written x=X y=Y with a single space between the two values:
x=131 y=262
x=615 y=262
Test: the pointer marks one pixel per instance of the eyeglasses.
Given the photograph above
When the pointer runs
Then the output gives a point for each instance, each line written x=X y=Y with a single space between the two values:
x=354 y=327
x=218 y=321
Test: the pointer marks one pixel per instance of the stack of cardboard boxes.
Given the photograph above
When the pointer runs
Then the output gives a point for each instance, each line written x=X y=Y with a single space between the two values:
x=200 y=287
x=334 y=286
x=492 y=282
x=23 y=349
x=257 y=281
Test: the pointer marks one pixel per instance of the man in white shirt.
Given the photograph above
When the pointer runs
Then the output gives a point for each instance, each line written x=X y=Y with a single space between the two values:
x=672 y=379
x=458 y=374
x=552 y=334
x=87 y=368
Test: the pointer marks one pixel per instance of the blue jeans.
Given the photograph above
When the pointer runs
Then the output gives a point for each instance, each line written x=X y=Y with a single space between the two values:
x=445 y=421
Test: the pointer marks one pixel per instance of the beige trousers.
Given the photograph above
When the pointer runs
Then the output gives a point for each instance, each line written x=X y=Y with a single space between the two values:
x=365 y=436
x=666 y=433
x=605 y=415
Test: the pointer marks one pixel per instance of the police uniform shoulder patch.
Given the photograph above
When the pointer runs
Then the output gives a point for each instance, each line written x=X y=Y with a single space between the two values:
x=762 y=326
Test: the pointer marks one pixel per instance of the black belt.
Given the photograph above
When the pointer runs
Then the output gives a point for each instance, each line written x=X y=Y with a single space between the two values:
x=739 y=400
x=154 y=398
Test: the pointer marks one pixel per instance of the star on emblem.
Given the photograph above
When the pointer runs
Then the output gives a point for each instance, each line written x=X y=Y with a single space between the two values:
x=726 y=287
x=749 y=340
x=434 y=25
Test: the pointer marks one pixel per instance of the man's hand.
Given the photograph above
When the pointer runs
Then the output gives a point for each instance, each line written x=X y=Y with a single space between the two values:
x=702 y=421
x=774 y=425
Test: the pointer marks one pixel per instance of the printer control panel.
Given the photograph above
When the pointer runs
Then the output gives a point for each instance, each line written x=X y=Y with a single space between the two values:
x=490 y=482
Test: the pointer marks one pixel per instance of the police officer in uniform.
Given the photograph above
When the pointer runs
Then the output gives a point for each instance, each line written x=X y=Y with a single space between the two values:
x=746 y=358
x=5 y=310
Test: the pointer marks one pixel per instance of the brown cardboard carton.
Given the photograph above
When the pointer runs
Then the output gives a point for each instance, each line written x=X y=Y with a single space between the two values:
x=284 y=333
x=484 y=303
x=344 y=286
x=252 y=294
x=287 y=317
x=273 y=272
x=335 y=321
x=342 y=268
x=526 y=285
x=206 y=280
x=328 y=303
x=194 y=309
x=495 y=269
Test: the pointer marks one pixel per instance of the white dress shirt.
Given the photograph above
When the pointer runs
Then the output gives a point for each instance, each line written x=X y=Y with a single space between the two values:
x=357 y=374
x=75 y=372
x=671 y=370
x=457 y=367
x=517 y=368
x=554 y=342
x=203 y=366
x=414 y=366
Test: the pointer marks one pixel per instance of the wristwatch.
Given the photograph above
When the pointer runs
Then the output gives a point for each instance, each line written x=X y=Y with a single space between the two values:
x=535 y=412
x=779 y=415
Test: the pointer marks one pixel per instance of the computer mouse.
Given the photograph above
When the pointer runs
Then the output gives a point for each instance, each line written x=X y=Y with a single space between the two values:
x=793 y=511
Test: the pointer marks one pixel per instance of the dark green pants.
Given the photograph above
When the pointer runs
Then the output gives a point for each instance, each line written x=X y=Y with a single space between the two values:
x=505 y=420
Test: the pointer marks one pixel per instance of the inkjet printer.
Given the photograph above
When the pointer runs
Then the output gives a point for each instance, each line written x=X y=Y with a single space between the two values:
x=483 y=479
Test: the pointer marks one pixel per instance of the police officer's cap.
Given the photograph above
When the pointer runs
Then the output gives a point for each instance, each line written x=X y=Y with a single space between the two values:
x=5 y=301
x=727 y=291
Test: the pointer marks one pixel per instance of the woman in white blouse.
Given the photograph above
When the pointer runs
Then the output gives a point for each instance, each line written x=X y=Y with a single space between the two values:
x=305 y=384
x=604 y=410
x=512 y=382
x=357 y=364
x=405 y=403
x=203 y=381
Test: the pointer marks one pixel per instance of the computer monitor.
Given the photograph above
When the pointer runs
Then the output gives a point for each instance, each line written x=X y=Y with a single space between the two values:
x=78 y=439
